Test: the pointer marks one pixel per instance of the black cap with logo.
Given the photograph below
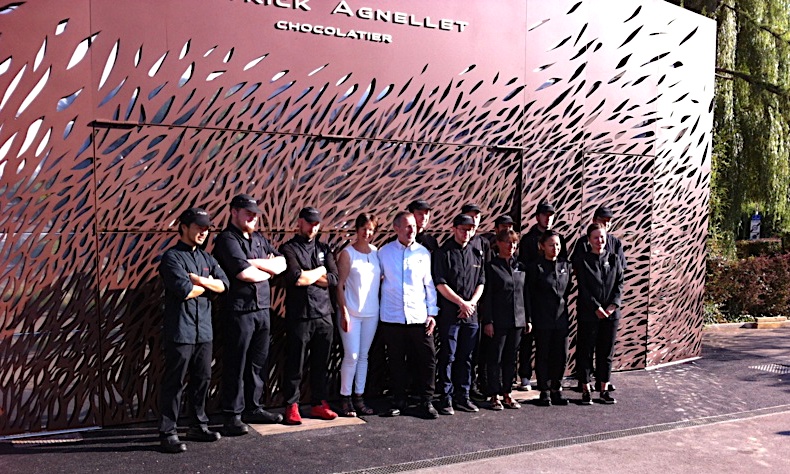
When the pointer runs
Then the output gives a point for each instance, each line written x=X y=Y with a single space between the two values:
x=195 y=215
x=310 y=214
x=245 y=201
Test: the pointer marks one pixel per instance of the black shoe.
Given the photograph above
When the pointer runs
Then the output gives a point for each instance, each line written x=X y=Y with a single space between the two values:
x=235 y=427
x=398 y=407
x=446 y=408
x=428 y=411
x=466 y=405
x=558 y=399
x=201 y=433
x=477 y=395
x=545 y=399
x=171 y=444
x=607 y=398
x=262 y=416
x=586 y=398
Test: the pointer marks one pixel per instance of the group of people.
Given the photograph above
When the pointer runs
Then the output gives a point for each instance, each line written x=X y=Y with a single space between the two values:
x=484 y=298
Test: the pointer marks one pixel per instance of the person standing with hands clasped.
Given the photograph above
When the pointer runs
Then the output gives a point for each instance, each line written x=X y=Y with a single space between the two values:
x=548 y=284
x=459 y=276
x=359 y=280
x=600 y=276
x=190 y=275
x=503 y=317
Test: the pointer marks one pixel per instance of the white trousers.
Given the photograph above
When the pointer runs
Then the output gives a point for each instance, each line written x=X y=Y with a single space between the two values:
x=356 y=344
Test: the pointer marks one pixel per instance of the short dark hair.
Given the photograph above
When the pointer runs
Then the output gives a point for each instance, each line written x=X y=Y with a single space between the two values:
x=363 y=219
x=547 y=234
x=399 y=216
x=593 y=227
x=507 y=235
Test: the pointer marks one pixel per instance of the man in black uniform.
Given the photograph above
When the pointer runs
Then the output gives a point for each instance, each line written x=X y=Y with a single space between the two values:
x=503 y=222
x=311 y=275
x=459 y=276
x=190 y=275
x=527 y=253
x=603 y=216
x=250 y=260
x=422 y=215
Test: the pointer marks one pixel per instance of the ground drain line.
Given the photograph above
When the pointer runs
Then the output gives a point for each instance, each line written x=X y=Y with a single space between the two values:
x=558 y=443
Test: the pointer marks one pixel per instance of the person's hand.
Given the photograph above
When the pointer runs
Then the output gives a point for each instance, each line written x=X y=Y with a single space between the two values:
x=528 y=328
x=466 y=309
x=345 y=321
x=195 y=279
x=610 y=310
x=488 y=330
x=601 y=313
x=430 y=325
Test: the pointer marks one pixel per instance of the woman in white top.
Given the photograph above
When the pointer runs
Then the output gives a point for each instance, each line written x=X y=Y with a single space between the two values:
x=359 y=278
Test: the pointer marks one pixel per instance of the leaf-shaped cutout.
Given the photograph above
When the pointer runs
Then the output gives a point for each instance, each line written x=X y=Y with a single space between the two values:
x=185 y=49
x=255 y=61
x=158 y=64
x=40 y=55
x=109 y=64
x=80 y=51
x=32 y=131
x=34 y=93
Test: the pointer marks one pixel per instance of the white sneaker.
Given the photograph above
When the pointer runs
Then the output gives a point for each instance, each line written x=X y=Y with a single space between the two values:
x=525 y=385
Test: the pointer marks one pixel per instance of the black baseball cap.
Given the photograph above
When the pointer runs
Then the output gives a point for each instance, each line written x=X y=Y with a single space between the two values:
x=310 y=214
x=604 y=212
x=471 y=207
x=419 y=205
x=503 y=219
x=463 y=219
x=195 y=215
x=245 y=201
x=545 y=208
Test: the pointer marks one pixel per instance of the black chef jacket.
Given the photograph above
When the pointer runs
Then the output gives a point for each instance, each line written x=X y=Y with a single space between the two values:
x=528 y=247
x=312 y=301
x=600 y=280
x=187 y=321
x=504 y=294
x=232 y=251
x=548 y=285
x=460 y=268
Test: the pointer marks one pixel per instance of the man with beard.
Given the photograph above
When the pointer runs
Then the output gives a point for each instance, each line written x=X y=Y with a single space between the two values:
x=189 y=275
x=310 y=277
x=250 y=260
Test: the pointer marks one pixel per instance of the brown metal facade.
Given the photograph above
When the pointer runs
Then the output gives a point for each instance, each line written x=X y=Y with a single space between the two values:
x=115 y=116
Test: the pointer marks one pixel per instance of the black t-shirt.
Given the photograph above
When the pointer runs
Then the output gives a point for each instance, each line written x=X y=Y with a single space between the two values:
x=460 y=268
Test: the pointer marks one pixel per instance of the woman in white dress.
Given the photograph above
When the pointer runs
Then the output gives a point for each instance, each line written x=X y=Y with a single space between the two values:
x=359 y=278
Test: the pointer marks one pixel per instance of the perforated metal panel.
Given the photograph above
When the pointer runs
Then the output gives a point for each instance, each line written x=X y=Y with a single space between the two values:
x=115 y=116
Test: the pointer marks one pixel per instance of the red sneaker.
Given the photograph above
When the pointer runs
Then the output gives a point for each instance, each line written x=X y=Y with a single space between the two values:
x=292 y=416
x=323 y=411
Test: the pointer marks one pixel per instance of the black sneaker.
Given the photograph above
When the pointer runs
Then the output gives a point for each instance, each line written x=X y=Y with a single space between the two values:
x=202 y=433
x=235 y=427
x=545 y=399
x=466 y=405
x=558 y=399
x=428 y=411
x=607 y=398
x=171 y=444
x=446 y=408
x=477 y=395
x=586 y=398
x=398 y=407
x=262 y=416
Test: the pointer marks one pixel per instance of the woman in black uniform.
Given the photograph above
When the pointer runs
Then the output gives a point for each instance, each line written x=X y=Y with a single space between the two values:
x=503 y=318
x=600 y=276
x=548 y=282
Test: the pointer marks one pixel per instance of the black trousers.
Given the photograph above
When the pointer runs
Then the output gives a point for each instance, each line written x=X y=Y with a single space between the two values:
x=525 y=357
x=303 y=336
x=596 y=338
x=502 y=356
x=181 y=359
x=244 y=364
x=480 y=358
x=458 y=340
x=410 y=352
x=551 y=355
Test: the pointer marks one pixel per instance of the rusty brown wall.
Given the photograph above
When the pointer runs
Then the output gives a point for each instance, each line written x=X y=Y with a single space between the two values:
x=115 y=116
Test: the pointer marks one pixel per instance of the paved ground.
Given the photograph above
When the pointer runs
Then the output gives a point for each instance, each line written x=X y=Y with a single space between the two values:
x=726 y=412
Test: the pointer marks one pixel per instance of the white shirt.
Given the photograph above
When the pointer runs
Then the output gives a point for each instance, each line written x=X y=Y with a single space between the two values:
x=362 y=284
x=408 y=295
